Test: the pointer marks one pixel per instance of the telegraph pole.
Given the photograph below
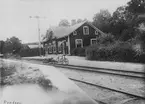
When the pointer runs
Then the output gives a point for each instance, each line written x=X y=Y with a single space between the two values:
x=38 y=22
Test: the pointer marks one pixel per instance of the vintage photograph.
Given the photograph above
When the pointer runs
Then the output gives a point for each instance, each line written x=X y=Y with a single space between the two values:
x=72 y=52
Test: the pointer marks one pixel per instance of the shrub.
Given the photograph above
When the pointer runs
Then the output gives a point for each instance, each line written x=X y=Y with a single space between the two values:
x=12 y=56
x=118 y=51
x=5 y=71
x=78 y=52
x=105 y=39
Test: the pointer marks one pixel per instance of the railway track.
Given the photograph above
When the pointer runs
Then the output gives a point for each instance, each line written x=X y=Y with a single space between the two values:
x=124 y=73
x=111 y=89
x=133 y=74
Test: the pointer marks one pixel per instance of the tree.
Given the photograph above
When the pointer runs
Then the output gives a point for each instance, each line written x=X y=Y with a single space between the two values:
x=79 y=20
x=121 y=14
x=118 y=21
x=64 y=23
x=131 y=12
x=76 y=21
x=49 y=35
x=12 y=45
x=73 y=22
x=125 y=19
x=136 y=6
x=102 y=20
x=122 y=24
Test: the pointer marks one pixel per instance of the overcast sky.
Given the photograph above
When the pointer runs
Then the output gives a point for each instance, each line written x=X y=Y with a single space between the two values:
x=15 y=21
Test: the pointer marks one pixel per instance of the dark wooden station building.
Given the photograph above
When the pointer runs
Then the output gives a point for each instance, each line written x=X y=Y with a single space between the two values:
x=65 y=39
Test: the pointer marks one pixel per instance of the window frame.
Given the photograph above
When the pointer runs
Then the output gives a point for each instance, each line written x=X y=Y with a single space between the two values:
x=96 y=32
x=74 y=32
x=84 y=30
x=92 y=40
x=76 y=43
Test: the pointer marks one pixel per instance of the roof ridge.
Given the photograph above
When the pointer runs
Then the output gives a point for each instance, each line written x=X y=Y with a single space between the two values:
x=68 y=26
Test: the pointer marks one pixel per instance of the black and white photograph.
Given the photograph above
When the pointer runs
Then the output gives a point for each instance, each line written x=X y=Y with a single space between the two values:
x=72 y=52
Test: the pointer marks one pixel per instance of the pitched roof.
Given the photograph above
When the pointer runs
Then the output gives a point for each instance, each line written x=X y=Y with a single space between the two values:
x=61 y=31
x=32 y=43
x=64 y=31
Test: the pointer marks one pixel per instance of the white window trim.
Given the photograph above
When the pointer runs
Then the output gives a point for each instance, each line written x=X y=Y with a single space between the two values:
x=96 y=32
x=93 y=39
x=76 y=43
x=75 y=33
x=84 y=30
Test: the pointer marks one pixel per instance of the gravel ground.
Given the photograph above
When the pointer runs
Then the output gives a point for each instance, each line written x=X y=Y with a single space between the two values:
x=135 y=86
x=108 y=97
x=99 y=94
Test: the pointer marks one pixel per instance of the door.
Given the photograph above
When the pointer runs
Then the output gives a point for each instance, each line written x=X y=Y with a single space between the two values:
x=64 y=51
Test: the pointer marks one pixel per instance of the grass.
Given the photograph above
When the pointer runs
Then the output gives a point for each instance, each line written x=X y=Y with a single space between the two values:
x=11 y=76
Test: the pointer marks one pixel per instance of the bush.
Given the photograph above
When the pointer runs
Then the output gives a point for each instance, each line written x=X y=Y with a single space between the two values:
x=78 y=52
x=5 y=71
x=118 y=51
x=105 y=39
x=12 y=56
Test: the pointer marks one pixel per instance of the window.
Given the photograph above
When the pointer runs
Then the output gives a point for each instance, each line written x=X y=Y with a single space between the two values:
x=74 y=33
x=86 y=30
x=96 y=32
x=46 y=49
x=54 y=46
x=54 y=49
x=79 y=43
x=59 y=46
x=93 y=41
x=50 y=49
x=53 y=42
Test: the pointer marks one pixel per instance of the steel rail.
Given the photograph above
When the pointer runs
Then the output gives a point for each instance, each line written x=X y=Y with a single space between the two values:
x=96 y=68
x=111 y=69
x=106 y=71
x=111 y=89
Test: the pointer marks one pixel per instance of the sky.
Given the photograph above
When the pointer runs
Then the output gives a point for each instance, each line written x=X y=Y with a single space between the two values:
x=15 y=15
